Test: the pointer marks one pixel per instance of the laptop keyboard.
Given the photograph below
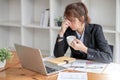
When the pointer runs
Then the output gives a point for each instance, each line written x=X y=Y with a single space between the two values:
x=49 y=70
x=50 y=67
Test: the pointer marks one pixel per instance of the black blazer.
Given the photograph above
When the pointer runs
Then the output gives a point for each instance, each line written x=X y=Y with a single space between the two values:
x=98 y=48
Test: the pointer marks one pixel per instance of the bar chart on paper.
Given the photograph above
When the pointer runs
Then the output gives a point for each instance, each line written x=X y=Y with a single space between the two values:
x=72 y=76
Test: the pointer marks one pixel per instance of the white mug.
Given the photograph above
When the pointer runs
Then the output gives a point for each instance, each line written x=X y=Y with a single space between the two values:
x=70 y=39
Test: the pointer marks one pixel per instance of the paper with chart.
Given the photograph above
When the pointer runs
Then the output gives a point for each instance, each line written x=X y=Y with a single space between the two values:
x=72 y=76
x=87 y=66
x=96 y=67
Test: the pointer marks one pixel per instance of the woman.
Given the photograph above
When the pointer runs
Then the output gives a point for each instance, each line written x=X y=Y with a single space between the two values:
x=90 y=42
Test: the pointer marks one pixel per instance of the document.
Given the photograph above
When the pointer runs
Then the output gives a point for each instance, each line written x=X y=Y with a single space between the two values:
x=87 y=66
x=79 y=65
x=112 y=68
x=72 y=76
x=47 y=58
x=96 y=67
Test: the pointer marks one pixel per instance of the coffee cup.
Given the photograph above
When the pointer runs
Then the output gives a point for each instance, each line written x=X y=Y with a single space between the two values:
x=70 y=39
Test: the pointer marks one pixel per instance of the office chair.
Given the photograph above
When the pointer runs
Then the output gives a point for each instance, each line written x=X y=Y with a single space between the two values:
x=112 y=47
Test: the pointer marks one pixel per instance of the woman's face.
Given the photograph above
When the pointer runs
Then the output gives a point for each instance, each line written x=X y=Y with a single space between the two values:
x=75 y=24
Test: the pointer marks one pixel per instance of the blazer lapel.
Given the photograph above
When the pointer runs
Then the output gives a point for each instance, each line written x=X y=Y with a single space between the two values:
x=75 y=34
x=87 y=35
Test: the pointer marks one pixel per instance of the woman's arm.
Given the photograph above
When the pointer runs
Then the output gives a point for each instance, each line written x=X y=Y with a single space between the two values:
x=61 y=46
x=102 y=52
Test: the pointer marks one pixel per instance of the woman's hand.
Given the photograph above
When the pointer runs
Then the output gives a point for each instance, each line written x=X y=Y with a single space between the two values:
x=78 y=45
x=65 y=24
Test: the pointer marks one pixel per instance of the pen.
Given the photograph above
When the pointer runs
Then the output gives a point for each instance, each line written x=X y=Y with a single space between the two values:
x=94 y=67
x=87 y=67
x=78 y=66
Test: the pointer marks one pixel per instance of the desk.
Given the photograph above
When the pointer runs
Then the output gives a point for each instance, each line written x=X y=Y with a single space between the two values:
x=14 y=71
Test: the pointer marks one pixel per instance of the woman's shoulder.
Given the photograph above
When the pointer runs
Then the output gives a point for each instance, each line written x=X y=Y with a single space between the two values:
x=95 y=26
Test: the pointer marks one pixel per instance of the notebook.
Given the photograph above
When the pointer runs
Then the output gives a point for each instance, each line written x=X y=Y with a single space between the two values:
x=31 y=58
x=62 y=60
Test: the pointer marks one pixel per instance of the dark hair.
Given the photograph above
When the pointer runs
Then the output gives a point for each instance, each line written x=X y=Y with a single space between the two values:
x=77 y=10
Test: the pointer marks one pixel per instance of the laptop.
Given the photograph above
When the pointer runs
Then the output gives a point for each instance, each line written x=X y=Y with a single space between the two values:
x=31 y=58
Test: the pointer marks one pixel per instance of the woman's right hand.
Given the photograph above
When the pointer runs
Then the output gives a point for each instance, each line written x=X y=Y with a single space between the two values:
x=65 y=24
